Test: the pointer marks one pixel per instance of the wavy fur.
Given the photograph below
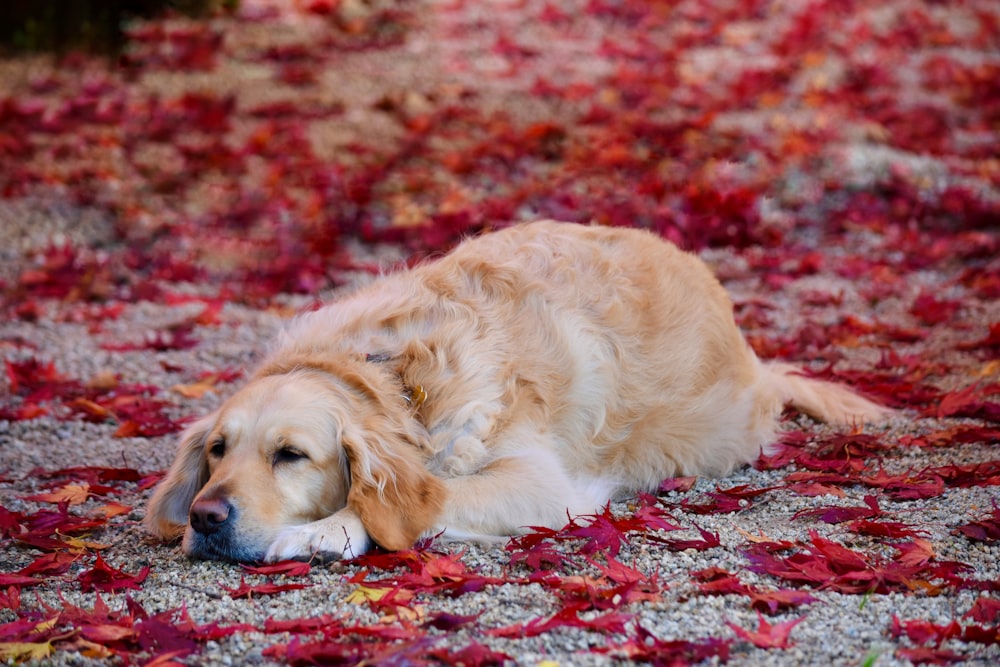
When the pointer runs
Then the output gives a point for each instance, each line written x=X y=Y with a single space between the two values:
x=563 y=366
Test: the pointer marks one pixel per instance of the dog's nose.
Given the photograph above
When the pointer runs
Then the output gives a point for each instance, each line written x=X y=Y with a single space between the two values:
x=208 y=515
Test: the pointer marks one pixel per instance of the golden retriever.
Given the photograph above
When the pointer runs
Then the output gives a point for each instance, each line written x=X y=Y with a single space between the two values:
x=531 y=374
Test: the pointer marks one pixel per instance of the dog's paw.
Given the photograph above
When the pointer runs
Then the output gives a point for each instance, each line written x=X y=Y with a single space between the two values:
x=339 y=536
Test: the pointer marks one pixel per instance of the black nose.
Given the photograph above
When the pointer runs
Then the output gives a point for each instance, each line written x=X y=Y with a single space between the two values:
x=208 y=515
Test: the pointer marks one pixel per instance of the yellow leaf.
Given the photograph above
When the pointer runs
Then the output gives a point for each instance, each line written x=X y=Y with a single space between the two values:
x=814 y=58
x=992 y=368
x=91 y=408
x=45 y=625
x=770 y=99
x=93 y=650
x=363 y=594
x=113 y=509
x=756 y=539
x=405 y=614
x=72 y=494
x=196 y=389
x=104 y=380
x=81 y=543
x=22 y=651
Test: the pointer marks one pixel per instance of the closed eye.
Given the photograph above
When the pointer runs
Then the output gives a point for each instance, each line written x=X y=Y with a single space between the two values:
x=289 y=455
x=218 y=448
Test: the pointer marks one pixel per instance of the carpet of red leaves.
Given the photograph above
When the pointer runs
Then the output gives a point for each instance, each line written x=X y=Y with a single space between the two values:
x=835 y=160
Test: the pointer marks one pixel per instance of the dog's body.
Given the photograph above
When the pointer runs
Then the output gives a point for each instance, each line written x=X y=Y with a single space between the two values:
x=531 y=374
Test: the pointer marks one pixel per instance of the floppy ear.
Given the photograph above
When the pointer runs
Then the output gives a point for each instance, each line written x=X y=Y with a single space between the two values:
x=167 y=513
x=392 y=491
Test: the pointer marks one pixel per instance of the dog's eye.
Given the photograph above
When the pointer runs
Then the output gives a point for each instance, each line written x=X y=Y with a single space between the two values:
x=289 y=455
x=217 y=448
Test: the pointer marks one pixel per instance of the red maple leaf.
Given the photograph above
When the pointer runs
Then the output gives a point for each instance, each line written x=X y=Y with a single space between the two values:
x=646 y=647
x=828 y=565
x=842 y=453
x=567 y=617
x=298 y=652
x=933 y=311
x=923 y=632
x=813 y=489
x=717 y=581
x=842 y=514
x=103 y=577
x=986 y=473
x=718 y=503
x=10 y=598
x=18 y=580
x=95 y=476
x=709 y=540
x=906 y=486
x=51 y=564
x=601 y=533
x=245 y=590
x=473 y=655
x=174 y=630
x=985 y=610
x=430 y=572
x=44 y=529
x=969 y=402
x=343 y=649
x=678 y=484
x=619 y=585
x=986 y=529
x=988 y=345
x=767 y=635
x=926 y=655
x=10 y=522
x=771 y=602
x=289 y=568
x=890 y=529
x=446 y=621
x=322 y=623
x=537 y=550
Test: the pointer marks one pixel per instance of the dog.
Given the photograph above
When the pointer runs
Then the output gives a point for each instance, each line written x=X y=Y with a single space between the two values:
x=532 y=374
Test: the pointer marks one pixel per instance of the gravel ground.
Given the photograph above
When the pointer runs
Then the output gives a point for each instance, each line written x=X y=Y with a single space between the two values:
x=837 y=629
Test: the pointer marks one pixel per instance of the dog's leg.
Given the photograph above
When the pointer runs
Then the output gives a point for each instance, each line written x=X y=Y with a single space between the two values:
x=340 y=535
x=514 y=493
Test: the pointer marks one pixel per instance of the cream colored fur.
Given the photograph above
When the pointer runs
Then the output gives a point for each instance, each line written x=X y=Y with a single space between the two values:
x=563 y=366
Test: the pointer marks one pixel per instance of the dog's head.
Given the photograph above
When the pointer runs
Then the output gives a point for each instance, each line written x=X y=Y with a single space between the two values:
x=294 y=446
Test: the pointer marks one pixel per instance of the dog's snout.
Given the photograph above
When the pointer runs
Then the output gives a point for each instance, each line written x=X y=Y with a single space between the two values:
x=208 y=515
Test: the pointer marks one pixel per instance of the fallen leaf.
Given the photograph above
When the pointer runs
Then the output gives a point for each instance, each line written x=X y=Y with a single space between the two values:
x=364 y=594
x=245 y=590
x=986 y=529
x=767 y=635
x=103 y=577
x=71 y=494
x=24 y=651
x=289 y=568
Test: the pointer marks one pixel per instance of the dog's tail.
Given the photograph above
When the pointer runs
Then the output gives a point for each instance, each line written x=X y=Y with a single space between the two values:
x=827 y=401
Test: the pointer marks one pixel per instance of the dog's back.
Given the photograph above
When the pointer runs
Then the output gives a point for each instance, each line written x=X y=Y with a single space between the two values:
x=645 y=372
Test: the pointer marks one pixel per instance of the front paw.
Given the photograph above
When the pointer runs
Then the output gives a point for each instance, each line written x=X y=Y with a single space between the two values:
x=339 y=536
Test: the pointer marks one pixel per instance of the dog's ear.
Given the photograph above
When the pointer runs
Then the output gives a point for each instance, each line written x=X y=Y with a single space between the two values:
x=392 y=491
x=167 y=513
